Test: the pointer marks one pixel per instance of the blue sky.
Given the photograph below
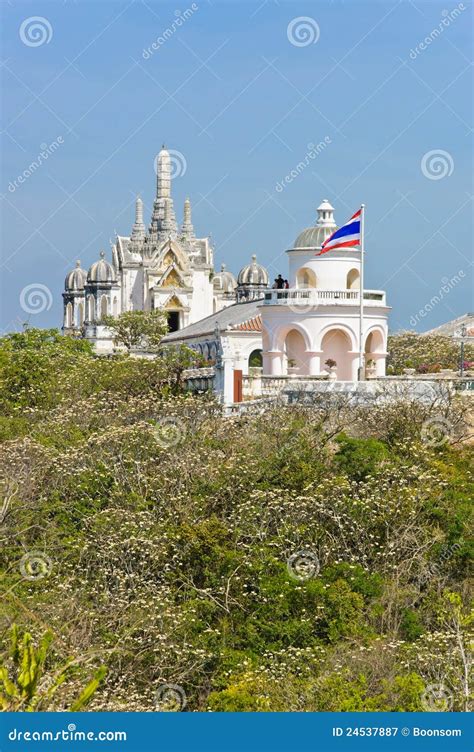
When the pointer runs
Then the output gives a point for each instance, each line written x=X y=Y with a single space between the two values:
x=240 y=100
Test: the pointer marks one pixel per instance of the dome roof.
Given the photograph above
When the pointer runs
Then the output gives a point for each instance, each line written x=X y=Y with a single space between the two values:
x=101 y=271
x=313 y=237
x=253 y=274
x=76 y=279
x=224 y=281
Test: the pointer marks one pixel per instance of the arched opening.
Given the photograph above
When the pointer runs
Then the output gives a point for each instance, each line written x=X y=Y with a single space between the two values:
x=374 y=347
x=353 y=280
x=80 y=314
x=173 y=310
x=336 y=346
x=255 y=359
x=69 y=315
x=104 y=307
x=295 y=352
x=90 y=308
x=115 y=306
x=306 y=278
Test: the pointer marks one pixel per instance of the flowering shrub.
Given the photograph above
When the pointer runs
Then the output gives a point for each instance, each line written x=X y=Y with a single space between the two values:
x=424 y=351
x=165 y=552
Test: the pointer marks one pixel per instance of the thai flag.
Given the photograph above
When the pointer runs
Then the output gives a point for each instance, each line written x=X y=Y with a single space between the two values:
x=346 y=236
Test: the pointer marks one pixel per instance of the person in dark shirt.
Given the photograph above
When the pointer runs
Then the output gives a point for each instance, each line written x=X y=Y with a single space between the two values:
x=279 y=282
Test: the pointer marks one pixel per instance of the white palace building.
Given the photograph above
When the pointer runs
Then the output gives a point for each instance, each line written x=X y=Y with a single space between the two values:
x=241 y=325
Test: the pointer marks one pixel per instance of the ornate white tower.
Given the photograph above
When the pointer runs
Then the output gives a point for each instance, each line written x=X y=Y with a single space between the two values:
x=317 y=319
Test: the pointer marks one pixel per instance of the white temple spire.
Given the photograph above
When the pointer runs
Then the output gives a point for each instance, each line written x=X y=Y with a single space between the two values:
x=138 y=230
x=163 y=174
x=187 y=229
x=163 y=195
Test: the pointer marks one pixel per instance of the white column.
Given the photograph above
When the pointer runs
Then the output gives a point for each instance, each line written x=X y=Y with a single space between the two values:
x=354 y=365
x=314 y=362
x=275 y=365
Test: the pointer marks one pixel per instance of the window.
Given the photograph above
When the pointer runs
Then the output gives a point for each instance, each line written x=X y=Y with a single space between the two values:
x=353 y=278
x=255 y=359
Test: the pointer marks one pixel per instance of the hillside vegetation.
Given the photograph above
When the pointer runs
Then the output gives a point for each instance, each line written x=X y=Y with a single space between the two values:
x=308 y=558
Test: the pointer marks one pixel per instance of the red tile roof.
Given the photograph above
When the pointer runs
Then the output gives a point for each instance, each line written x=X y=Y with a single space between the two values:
x=251 y=325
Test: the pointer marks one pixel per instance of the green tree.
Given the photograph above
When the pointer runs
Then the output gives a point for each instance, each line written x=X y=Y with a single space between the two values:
x=143 y=329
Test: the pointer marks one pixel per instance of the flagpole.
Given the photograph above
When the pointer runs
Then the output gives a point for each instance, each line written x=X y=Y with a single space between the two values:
x=361 y=370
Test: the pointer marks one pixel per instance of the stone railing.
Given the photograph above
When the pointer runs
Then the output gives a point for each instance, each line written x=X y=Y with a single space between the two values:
x=314 y=297
x=199 y=379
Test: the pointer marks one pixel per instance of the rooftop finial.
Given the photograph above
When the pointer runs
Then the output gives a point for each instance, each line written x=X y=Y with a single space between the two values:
x=78 y=263
x=325 y=214
x=102 y=254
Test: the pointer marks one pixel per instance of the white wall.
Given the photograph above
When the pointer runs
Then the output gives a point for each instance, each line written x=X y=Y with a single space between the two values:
x=331 y=269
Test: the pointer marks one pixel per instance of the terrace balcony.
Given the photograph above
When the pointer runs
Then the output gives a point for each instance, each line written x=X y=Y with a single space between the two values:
x=315 y=297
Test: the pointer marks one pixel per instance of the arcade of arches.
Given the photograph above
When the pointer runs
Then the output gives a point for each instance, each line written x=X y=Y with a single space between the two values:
x=293 y=356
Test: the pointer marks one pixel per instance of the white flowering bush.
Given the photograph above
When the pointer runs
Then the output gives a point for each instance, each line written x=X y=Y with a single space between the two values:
x=168 y=561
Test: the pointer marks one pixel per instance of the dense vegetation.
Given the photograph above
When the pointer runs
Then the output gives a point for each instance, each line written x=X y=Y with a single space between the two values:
x=426 y=353
x=308 y=558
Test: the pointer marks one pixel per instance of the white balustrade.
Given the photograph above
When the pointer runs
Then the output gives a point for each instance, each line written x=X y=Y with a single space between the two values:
x=309 y=297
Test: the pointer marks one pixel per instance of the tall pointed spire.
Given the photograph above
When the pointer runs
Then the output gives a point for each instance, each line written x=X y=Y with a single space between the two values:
x=163 y=174
x=138 y=230
x=187 y=229
x=163 y=196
